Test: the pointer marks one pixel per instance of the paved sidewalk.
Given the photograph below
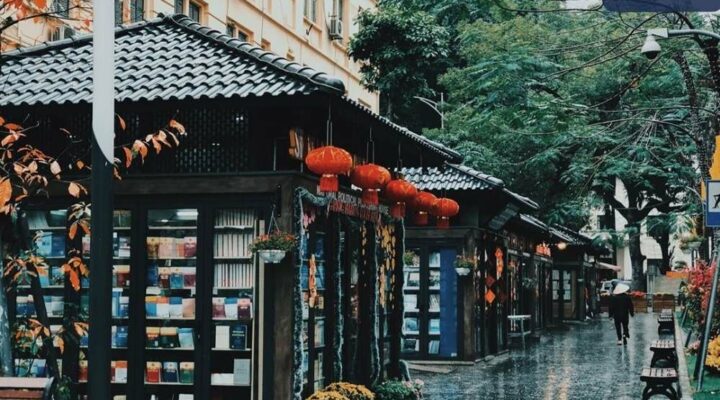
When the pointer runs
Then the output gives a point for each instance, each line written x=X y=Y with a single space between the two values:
x=582 y=363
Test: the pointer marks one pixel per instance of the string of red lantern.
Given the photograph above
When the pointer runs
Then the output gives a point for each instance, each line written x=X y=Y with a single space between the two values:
x=329 y=162
x=423 y=205
x=443 y=209
x=371 y=178
x=399 y=192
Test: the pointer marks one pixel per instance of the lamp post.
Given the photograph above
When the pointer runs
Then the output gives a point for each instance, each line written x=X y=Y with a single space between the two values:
x=651 y=49
x=436 y=106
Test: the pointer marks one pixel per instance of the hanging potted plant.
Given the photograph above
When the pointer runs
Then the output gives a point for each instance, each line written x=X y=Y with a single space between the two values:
x=690 y=242
x=463 y=265
x=272 y=247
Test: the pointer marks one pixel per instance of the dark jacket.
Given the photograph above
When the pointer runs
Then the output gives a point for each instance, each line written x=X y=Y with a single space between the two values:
x=621 y=306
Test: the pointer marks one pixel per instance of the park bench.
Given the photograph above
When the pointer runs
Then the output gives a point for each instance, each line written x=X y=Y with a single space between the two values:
x=25 y=388
x=664 y=354
x=660 y=381
x=666 y=323
x=519 y=329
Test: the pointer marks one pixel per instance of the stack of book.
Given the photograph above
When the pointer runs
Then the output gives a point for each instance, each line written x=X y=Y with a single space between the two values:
x=233 y=337
x=169 y=372
x=169 y=307
x=232 y=308
x=164 y=247
x=171 y=277
x=234 y=275
x=169 y=337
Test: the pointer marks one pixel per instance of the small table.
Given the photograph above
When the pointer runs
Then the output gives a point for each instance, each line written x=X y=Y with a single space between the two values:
x=521 y=319
x=663 y=350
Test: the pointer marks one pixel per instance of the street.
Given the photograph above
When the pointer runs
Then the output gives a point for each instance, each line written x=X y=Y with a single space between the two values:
x=583 y=362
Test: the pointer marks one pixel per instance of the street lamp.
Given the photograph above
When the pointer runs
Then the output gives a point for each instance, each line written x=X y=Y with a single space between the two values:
x=436 y=106
x=651 y=48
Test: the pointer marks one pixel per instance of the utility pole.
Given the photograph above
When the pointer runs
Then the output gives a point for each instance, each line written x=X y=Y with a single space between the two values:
x=103 y=124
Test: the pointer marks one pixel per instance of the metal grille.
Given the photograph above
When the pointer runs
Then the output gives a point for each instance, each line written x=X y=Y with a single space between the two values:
x=216 y=142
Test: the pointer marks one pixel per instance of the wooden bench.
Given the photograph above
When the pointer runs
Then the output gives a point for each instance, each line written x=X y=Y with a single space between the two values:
x=666 y=324
x=660 y=381
x=26 y=388
x=664 y=354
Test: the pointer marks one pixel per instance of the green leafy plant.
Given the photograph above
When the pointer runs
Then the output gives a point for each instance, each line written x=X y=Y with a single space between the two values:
x=397 y=390
x=409 y=258
x=274 y=241
x=464 y=262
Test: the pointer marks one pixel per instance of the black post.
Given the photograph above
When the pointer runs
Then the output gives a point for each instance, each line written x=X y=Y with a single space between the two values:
x=101 y=259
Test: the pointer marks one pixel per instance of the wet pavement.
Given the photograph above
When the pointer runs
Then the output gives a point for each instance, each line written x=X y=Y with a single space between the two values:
x=583 y=362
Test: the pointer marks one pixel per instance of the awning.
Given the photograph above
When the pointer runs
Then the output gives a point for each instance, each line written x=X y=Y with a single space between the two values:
x=602 y=265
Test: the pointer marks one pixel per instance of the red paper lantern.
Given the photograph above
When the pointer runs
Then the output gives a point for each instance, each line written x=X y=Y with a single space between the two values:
x=423 y=204
x=329 y=162
x=443 y=209
x=400 y=192
x=370 y=178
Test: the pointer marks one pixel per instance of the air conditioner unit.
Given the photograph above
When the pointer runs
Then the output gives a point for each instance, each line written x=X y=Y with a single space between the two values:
x=335 y=28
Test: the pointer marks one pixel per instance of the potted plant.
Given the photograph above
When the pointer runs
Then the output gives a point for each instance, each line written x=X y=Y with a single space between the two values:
x=410 y=259
x=397 y=390
x=690 y=242
x=463 y=265
x=272 y=247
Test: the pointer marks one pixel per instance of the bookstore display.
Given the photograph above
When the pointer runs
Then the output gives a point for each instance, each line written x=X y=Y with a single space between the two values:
x=312 y=279
x=233 y=302
x=421 y=299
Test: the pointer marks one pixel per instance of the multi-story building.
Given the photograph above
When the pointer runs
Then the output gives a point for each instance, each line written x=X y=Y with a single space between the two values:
x=311 y=32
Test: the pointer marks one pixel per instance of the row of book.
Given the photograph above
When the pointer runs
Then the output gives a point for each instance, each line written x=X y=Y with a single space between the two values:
x=169 y=372
x=118 y=371
x=171 y=277
x=121 y=245
x=233 y=244
x=51 y=244
x=232 y=307
x=233 y=337
x=51 y=275
x=169 y=307
x=239 y=377
x=121 y=275
x=162 y=247
x=234 y=275
x=235 y=218
x=169 y=337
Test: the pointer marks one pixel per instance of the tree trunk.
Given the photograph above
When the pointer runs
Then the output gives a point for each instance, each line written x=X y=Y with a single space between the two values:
x=636 y=257
x=664 y=242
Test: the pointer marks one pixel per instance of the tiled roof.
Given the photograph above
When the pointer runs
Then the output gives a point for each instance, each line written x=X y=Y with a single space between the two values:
x=530 y=220
x=461 y=177
x=170 y=57
x=453 y=177
x=570 y=236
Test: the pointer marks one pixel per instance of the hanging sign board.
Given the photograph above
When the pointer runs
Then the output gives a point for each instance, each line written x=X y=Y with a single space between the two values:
x=712 y=204
x=350 y=205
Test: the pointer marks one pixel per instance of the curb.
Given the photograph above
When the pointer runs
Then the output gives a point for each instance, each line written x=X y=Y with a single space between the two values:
x=682 y=363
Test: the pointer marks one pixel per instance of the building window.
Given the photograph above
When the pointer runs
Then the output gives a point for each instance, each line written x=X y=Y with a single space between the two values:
x=61 y=8
x=311 y=10
x=179 y=6
x=235 y=31
x=137 y=10
x=118 y=12
x=340 y=4
x=194 y=11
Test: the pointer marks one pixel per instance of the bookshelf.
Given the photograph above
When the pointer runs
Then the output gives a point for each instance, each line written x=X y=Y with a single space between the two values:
x=313 y=283
x=233 y=303
x=170 y=302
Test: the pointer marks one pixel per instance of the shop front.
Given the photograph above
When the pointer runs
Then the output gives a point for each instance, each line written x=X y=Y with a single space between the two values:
x=460 y=313
x=197 y=314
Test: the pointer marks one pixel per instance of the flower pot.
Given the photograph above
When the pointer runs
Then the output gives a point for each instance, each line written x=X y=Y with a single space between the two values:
x=461 y=271
x=272 y=256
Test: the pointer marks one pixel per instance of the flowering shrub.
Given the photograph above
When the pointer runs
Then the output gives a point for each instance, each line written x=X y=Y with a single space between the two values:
x=351 y=391
x=323 y=395
x=694 y=347
x=396 y=390
x=713 y=357
x=274 y=241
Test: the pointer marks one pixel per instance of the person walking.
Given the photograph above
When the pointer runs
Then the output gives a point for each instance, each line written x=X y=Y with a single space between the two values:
x=621 y=309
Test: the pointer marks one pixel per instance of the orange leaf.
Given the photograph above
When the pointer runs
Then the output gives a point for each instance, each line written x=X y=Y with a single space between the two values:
x=128 y=157
x=85 y=226
x=74 y=189
x=13 y=127
x=177 y=126
x=74 y=279
x=121 y=121
x=9 y=139
x=55 y=168
x=5 y=191
x=2 y=121
x=41 y=4
x=33 y=167
x=73 y=230
x=140 y=148
x=157 y=146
